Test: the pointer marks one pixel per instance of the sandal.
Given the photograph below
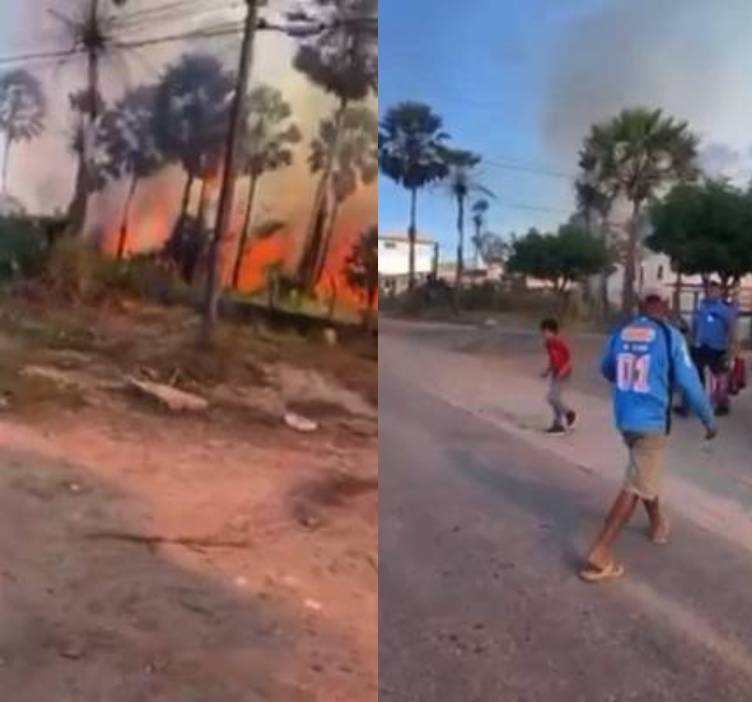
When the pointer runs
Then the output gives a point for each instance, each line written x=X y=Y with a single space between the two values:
x=591 y=574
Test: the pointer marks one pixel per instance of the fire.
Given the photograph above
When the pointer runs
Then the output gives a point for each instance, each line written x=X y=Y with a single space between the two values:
x=334 y=281
x=260 y=254
x=152 y=219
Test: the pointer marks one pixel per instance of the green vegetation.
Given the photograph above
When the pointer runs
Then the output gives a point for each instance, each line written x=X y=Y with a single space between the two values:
x=705 y=229
x=569 y=256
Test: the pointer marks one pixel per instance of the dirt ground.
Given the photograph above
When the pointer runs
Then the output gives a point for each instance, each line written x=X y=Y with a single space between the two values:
x=216 y=557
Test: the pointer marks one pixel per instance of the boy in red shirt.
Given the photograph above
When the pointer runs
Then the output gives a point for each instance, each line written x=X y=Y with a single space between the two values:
x=558 y=372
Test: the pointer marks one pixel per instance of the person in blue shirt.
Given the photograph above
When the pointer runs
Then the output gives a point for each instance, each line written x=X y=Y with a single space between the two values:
x=712 y=328
x=644 y=360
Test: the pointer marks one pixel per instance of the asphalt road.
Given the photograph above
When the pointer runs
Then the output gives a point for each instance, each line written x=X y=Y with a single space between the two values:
x=480 y=539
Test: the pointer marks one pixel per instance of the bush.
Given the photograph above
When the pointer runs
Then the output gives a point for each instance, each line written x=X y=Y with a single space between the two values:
x=486 y=296
x=151 y=278
x=77 y=270
x=23 y=248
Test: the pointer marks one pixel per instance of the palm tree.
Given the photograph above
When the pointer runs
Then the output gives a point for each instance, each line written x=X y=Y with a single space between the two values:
x=192 y=118
x=355 y=163
x=269 y=135
x=479 y=209
x=462 y=182
x=343 y=61
x=23 y=109
x=412 y=154
x=643 y=152
x=126 y=136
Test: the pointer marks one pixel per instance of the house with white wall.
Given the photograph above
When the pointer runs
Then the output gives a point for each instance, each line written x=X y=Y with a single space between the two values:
x=394 y=261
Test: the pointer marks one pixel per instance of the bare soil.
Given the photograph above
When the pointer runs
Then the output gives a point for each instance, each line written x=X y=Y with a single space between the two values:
x=216 y=557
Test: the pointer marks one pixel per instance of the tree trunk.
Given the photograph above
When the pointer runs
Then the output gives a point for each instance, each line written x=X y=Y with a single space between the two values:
x=323 y=200
x=227 y=191
x=123 y=239
x=605 y=303
x=630 y=265
x=324 y=253
x=460 y=251
x=411 y=235
x=196 y=248
x=371 y=293
x=677 y=293
x=244 y=232
x=476 y=263
x=6 y=162
x=186 y=200
x=202 y=201
x=76 y=215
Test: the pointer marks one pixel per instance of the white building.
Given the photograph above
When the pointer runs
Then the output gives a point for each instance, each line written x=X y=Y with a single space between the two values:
x=394 y=260
x=654 y=271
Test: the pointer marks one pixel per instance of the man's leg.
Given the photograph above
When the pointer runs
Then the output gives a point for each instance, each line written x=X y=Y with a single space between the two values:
x=643 y=482
x=659 y=525
x=600 y=555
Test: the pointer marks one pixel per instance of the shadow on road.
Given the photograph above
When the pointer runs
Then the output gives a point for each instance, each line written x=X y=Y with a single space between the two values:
x=116 y=621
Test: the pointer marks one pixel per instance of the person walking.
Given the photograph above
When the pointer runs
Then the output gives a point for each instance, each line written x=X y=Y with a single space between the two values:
x=558 y=372
x=712 y=335
x=643 y=360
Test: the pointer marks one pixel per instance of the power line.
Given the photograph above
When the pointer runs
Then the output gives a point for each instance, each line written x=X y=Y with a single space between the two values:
x=297 y=30
x=537 y=170
x=138 y=21
x=538 y=208
x=27 y=58
x=223 y=30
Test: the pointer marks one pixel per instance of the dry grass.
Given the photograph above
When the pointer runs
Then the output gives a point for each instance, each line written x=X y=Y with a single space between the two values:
x=161 y=344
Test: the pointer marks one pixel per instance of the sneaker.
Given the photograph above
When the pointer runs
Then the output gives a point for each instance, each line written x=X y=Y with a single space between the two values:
x=556 y=430
x=722 y=411
x=571 y=419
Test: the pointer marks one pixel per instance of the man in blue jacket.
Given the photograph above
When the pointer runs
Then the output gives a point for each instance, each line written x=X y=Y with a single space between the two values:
x=644 y=360
x=712 y=330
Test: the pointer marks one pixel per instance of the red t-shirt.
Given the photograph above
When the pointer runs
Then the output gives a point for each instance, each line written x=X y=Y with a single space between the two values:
x=559 y=357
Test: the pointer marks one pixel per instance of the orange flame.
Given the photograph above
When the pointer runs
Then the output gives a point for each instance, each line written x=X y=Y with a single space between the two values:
x=153 y=218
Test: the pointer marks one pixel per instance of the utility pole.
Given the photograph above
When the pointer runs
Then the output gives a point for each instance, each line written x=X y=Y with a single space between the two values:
x=89 y=33
x=227 y=189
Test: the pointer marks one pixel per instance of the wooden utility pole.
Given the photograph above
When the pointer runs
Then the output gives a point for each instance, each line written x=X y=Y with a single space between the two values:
x=93 y=42
x=227 y=189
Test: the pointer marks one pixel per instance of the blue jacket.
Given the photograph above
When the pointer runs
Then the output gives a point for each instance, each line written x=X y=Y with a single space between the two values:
x=712 y=323
x=637 y=360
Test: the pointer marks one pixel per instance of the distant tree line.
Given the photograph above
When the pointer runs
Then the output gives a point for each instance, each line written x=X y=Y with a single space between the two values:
x=642 y=161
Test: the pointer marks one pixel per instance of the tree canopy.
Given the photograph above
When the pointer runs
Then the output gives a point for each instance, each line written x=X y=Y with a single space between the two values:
x=23 y=106
x=412 y=145
x=636 y=155
x=193 y=112
x=343 y=59
x=705 y=229
x=560 y=259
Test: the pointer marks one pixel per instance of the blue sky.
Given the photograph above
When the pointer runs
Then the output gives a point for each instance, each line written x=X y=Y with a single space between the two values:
x=520 y=82
x=482 y=69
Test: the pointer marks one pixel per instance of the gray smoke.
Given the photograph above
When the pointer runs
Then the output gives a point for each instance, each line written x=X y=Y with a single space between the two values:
x=690 y=58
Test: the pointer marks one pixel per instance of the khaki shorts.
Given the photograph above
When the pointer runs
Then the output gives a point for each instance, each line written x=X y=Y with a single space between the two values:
x=647 y=464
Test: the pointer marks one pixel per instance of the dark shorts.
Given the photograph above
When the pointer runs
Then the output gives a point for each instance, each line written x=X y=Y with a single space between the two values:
x=705 y=357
